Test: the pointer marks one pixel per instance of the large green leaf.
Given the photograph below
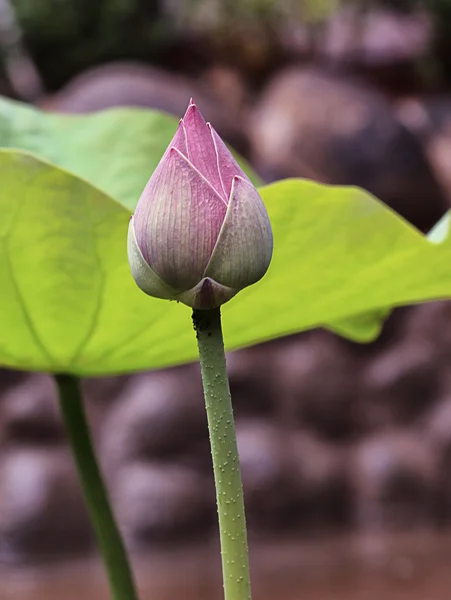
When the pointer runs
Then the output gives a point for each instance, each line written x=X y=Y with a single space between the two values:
x=68 y=301
x=117 y=151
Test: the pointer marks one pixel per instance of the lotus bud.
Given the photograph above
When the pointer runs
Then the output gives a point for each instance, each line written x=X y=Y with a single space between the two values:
x=200 y=232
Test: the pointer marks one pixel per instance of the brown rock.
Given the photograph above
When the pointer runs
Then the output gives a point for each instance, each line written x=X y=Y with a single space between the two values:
x=10 y=377
x=99 y=390
x=252 y=380
x=317 y=385
x=395 y=481
x=158 y=414
x=334 y=129
x=319 y=473
x=429 y=118
x=271 y=497
x=400 y=385
x=162 y=502
x=292 y=480
x=228 y=85
x=41 y=508
x=29 y=412
x=100 y=395
x=129 y=84
x=5 y=87
x=377 y=37
x=429 y=325
x=436 y=430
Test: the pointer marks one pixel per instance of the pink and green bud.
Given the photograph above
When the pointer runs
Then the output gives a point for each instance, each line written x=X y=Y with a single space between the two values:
x=200 y=232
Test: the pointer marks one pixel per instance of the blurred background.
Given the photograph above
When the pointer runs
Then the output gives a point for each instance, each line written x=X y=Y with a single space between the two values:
x=345 y=449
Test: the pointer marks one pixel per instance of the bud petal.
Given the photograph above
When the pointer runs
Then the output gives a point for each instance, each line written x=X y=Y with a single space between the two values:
x=177 y=221
x=244 y=248
x=206 y=294
x=201 y=149
x=178 y=141
x=228 y=167
x=144 y=276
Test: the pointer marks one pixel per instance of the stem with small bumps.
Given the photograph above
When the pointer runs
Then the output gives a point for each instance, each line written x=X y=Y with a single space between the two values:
x=226 y=467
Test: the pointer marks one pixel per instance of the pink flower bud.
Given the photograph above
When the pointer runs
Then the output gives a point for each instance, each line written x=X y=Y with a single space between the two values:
x=200 y=232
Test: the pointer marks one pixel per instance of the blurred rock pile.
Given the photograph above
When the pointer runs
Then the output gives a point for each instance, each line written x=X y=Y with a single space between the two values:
x=331 y=435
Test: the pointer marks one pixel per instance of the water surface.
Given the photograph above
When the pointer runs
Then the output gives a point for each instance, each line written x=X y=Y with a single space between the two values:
x=377 y=567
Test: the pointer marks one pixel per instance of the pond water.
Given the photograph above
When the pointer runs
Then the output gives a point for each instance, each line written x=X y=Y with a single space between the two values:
x=397 y=567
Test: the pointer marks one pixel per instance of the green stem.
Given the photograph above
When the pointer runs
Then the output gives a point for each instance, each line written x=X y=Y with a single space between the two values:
x=229 y=489
x=96 y=497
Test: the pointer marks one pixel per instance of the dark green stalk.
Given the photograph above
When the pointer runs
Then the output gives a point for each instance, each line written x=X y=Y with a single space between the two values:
x=229 y=489
x=108 y=537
